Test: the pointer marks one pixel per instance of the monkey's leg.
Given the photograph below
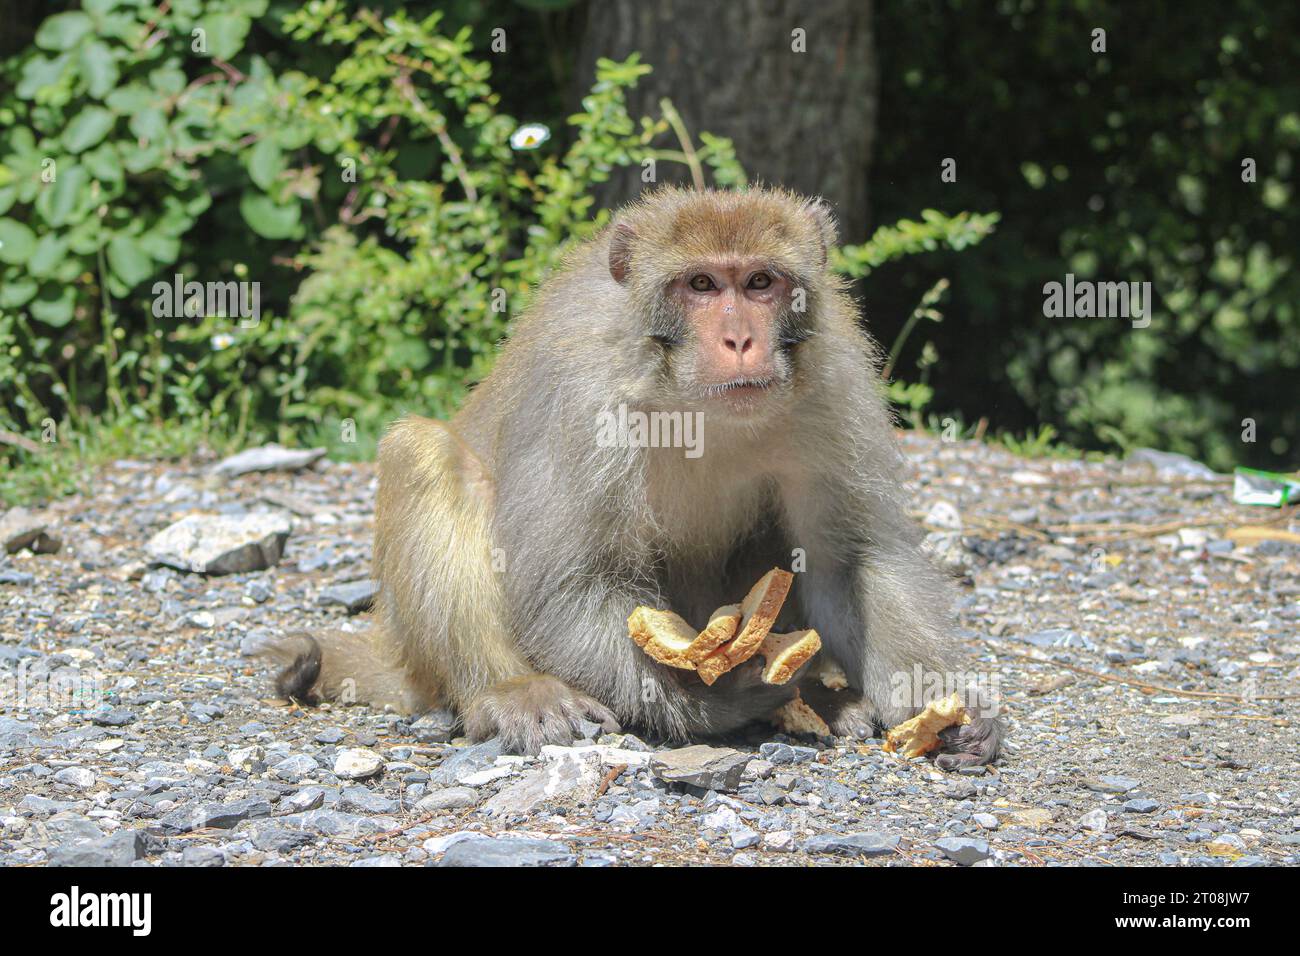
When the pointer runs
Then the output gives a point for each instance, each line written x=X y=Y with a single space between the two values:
x=443 y=597
x=886 y=622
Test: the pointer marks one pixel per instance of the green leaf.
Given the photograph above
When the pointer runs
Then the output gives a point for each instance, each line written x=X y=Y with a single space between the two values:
x=16 y=293
x=88 y=128
x=266 y=218
x=226 y=33
x=98 y=68
x=6 y=199
x=128 y=260
x=104 y=163
x=55 y=304
x=46 y=255
x=63 y=30
x=16 y=242
x=40 y=72
x=265 y=162
x=148 y=124
x=60 y=198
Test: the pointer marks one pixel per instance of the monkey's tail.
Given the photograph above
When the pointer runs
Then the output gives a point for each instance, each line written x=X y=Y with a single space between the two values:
x=350 y=668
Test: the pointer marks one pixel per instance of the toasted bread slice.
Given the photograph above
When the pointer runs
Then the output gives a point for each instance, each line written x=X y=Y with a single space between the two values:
x=920 y=735
x=759 y=611
x=783 y=654
x=722 y=627
x=668 y=639
x=663 y=635
x=796 y=717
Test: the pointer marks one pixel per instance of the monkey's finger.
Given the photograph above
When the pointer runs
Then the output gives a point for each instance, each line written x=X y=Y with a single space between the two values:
x=602 y=715
x=971 y=745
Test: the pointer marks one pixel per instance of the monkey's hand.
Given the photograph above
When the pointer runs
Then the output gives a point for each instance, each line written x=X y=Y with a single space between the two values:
x=529 y=712
x=970 y=745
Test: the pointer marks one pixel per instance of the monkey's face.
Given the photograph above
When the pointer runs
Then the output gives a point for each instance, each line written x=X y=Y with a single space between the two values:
x=730 y=329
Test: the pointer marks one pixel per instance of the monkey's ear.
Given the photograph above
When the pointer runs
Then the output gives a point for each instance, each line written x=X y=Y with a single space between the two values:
x=620 y=252
x=824 y=221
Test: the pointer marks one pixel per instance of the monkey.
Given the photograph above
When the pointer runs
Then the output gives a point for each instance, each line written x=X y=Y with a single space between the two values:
x=512 y=543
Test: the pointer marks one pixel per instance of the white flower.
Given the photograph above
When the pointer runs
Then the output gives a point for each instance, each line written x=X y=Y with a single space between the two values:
x=222 y=340
x=529 y=136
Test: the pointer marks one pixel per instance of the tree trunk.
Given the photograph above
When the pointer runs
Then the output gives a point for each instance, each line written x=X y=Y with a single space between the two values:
x=800 y=119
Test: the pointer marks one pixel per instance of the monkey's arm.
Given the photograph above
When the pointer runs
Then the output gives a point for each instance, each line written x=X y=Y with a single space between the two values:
x=442 y=597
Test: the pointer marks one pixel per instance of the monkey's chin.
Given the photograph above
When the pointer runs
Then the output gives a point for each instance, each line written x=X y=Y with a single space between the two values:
x=744 y=399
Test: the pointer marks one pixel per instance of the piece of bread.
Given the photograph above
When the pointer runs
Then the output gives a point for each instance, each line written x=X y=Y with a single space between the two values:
x=722 y=627
x=783 y=654
x=920 y=735
x=832 y=675
x=796 y=717
x=759 y=612
x=668 y=639
x=663 y=635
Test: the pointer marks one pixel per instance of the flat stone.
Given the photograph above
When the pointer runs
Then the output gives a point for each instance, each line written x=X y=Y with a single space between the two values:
x=117 y=849
x=567 y=781
x=852 y=844
x=356 y=596
x=21 y=528
x=505 y=851
x=269 y=457
x=711 y=768
x=966 y=851
x=357 y=764
x=221 y=544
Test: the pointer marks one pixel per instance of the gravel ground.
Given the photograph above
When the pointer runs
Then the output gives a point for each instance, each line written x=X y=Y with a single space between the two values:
x=134 y=728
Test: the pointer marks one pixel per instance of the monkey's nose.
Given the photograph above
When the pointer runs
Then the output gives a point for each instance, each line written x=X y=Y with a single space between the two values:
x=738 y=343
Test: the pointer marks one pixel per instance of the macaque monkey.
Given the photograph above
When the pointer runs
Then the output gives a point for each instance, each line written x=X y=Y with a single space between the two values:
x=512 y=543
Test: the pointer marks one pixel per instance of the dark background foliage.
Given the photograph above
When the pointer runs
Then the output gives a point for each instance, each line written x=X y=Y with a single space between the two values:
x=1117 y=166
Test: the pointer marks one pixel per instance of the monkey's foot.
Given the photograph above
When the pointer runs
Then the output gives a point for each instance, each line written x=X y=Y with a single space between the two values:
x=530 y=712
x=970 y=745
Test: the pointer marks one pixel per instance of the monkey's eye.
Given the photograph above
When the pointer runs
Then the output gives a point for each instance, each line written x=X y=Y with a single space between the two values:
x=760 y=280
x=702 y=283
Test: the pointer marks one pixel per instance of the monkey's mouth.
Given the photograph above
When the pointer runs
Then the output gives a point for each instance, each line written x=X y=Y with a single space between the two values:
x=739 y=387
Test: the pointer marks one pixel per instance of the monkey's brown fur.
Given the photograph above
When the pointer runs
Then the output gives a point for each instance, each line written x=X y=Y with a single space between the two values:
x=511 y=546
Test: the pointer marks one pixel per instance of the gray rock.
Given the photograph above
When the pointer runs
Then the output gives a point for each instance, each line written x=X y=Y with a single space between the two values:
x=356 y=596
x=117 y=849
x=570 y=780
x=779 y=754
x=269 y=457
x=221 y=544
x=20 y=528
x=281 y=839
x=1111 y=784
x=367 y=801
x=202 y=856
x=964 y=850
x=295 y=768
x=1168 y=462
x=1141 y=806
x=308 y=798
x=852 y=844
x=466 y=762
x=357 y=764
x=78 y=777
x=504 y=851
x=221 y=816
x=448 y=798
x=435 y=727
x=711 y=768
x=1094 y=820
